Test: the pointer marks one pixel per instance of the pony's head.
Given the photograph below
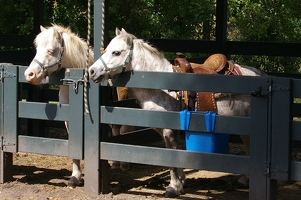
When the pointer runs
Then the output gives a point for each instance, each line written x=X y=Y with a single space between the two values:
x=116 y=58
x=50 y=48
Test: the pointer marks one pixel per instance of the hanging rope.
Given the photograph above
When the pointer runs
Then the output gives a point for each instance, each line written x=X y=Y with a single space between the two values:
x=102 y=26
x=86 y=76
x=86 y=83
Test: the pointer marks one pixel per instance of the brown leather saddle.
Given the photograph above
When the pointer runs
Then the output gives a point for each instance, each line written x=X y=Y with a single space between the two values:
x=214 y=64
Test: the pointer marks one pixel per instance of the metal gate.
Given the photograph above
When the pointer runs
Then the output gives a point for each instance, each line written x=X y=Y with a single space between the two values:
x=15 y=106
x=256 y=126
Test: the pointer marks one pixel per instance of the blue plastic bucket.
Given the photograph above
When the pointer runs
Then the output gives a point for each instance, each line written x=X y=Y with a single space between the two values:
x=207 y=142
x=204 y=141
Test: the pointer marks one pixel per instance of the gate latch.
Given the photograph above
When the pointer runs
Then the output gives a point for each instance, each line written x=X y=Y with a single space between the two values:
x=75 y=83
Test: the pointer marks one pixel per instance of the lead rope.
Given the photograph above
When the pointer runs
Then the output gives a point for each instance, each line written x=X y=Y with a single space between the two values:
x=86 y=76
x=102 y=26
x=102 y=49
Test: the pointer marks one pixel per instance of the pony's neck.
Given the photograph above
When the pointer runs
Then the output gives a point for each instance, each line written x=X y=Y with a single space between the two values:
x=148 y=58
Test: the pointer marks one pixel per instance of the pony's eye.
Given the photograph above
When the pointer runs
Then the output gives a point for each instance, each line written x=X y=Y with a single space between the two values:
x=116 y=53
x=50 y=51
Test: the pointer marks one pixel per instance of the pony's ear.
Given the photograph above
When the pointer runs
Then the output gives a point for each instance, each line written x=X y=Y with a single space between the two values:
x=42 y=28
x=117 y=31
x=123 y=31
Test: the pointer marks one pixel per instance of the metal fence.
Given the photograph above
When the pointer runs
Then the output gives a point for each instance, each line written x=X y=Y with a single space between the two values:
x=271 y=126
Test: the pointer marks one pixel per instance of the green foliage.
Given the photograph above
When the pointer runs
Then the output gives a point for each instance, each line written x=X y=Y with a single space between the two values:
x=70 y=13
x=16 y=17
x=248 y=20
x=163 y=18
x=261 y=20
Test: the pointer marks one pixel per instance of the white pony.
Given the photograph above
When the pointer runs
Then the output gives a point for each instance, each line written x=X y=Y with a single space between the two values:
x=126 y=52
x=57 y=47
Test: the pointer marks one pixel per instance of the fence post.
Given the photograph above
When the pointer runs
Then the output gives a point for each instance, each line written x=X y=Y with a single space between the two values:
x=281 y=128
x=260 y=185
x=91 y=143
x=76 y=118
x=96 y=171
x=5 y=158
x=10 y=110
x=8 y=119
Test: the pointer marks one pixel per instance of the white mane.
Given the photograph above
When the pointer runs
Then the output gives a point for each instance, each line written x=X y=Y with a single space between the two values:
x=149 y=58
x=145 y=56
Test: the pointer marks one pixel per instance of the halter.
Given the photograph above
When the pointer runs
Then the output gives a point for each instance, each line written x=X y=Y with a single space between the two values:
x=121 y=67
x=58 y=62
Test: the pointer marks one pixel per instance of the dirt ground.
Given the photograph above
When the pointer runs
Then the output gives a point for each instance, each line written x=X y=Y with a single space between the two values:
x=38 y=177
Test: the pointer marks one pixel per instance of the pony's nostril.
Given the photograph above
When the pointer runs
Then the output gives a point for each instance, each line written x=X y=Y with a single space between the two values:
x=91 y=72
x=30 y=76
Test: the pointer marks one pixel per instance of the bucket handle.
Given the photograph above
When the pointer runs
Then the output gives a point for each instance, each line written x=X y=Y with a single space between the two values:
x=209 y=119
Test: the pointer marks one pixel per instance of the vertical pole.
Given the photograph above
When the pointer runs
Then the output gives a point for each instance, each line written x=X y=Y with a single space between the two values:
x=258 y=149
x=98 y=27
x=221 y=25
x=5 y=158
x=260 y=186
x=91 y=152
x=38 y=18
x=280 y=133
x=6 y=161
x=95 y=170
x=10 y=110
x=281 y=129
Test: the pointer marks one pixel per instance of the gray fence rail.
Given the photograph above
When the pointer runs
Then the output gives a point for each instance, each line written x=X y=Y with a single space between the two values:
x=272 y=126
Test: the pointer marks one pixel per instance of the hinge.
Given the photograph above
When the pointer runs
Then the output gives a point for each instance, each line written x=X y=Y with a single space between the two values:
x=268 y=168
x=263 y=90
x=5 y=143
x=5 y=74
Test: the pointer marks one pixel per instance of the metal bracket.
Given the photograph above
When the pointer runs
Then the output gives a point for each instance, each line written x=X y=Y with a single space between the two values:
x=258 y=92
x=5 y=143
x=75 y=83
x=5 y=74
x=276 y=169
x=279 y=88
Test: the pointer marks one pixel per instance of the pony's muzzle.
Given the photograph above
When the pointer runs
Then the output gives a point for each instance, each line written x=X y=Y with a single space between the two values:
x=30 y=76
x=96 y=75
